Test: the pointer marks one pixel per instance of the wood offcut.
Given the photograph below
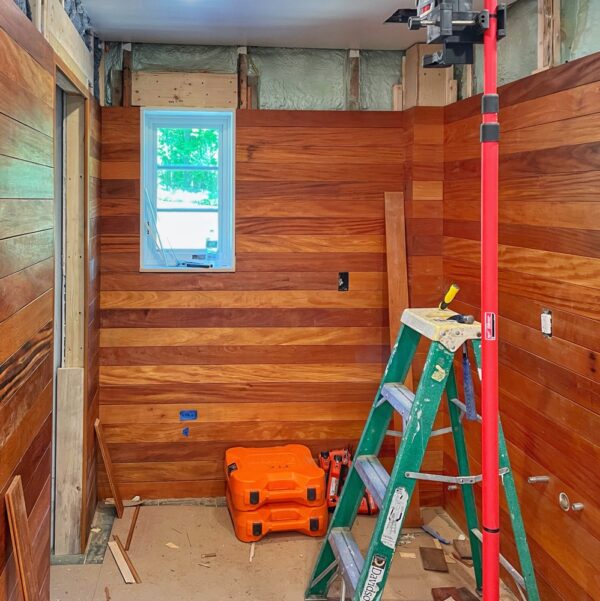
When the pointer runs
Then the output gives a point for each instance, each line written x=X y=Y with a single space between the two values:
x=21 y=539
x=108 y=466
x=433 y=559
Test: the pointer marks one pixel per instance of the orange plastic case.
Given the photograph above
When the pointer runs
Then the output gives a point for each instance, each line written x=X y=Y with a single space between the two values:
x=251 y=526
x=286 y=474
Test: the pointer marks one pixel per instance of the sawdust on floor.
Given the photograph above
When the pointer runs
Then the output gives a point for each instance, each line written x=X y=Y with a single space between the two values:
x=173 y=549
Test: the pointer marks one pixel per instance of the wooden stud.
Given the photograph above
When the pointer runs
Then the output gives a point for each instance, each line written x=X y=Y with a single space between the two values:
x=21 y=539
x=108 y=465
x=75 y=232
x=243 y=80
x=467 y=91
x=556 y=33
x=116 y=86
x=127 y=78
x=397 y=97
x=544 y=43
x=354 y=89
x=134 y=519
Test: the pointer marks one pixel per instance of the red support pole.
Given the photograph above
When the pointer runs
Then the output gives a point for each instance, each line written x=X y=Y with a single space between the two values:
x=489 y=313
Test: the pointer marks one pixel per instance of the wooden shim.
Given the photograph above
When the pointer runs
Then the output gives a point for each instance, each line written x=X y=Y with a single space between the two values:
x=196 y=90
x=108 y=465
x=21 y=539
x=123 y=561
x=134 y=519
x=433 y=559
x=69 y=464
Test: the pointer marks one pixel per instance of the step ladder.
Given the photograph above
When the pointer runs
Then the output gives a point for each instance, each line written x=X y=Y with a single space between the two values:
x=364 y=578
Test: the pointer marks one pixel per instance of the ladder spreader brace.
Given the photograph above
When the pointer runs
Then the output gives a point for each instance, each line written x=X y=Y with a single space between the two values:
x=364 y=578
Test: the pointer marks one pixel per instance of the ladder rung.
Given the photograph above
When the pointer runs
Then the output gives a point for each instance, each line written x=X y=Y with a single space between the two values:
x=374 y=476
x=350 y=559
x=399 y=397
x=451 y=479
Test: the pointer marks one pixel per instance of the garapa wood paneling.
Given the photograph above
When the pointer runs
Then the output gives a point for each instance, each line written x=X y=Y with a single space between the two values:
x=548 y=259
x=26 y=284
x=272 y=353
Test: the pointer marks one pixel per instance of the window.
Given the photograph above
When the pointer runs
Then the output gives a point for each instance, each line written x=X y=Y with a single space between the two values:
x=187 y=190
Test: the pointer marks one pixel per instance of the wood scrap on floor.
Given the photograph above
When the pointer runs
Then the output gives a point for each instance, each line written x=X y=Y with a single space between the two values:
x=126 y=502
x=108 y=465
x=134 y=519
x=445 y=593
x=433 y=559
x=467 y=595
x=123 y=561
x=463 y=548
x=21 y=539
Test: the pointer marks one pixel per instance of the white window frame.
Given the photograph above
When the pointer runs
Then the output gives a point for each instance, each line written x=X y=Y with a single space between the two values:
x=223 y=120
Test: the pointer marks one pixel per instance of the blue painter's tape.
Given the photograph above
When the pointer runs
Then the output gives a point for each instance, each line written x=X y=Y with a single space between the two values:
x=186 y=431
x=188 y=415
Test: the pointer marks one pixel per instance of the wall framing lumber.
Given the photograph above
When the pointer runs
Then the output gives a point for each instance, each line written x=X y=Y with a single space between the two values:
x=195 y=90
x=75 y=199
x=67 y=43
x=69 y=464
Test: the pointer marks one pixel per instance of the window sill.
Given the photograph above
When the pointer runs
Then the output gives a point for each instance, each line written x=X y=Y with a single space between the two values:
x=187 y=269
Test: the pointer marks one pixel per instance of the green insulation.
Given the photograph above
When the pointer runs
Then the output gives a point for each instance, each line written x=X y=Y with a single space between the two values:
x=379 y=71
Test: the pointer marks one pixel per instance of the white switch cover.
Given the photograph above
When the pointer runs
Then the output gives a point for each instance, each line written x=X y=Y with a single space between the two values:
x=546 y=319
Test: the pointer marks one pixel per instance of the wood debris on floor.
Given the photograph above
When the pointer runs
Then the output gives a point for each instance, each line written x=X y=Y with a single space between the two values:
x=180 y=550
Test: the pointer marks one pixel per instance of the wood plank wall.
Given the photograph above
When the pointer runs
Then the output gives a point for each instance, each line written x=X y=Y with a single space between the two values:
x=92 y=350
x=549 y=259
x=26 y=283
x=272 y=353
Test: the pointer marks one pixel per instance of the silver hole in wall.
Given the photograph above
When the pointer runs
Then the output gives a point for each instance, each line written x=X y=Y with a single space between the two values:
x=563 y=501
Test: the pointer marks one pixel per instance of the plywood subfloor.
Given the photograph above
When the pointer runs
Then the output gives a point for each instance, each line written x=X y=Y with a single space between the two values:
x=278 y=572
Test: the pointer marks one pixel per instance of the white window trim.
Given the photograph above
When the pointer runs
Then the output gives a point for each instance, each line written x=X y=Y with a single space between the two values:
x=227 y=181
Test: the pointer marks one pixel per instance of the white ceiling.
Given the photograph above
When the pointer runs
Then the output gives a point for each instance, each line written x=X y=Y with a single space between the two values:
x=286 y=23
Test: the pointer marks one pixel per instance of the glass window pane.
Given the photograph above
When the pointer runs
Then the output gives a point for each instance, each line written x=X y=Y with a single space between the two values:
x=187 y=230
x=190 y=146
x=178 y=189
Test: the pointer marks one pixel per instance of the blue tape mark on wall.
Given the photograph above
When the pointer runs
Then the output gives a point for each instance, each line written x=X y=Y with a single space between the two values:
x=186 y=431
x=188 y=415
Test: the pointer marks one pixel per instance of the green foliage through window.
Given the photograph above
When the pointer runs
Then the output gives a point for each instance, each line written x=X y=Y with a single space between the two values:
x=196 y=152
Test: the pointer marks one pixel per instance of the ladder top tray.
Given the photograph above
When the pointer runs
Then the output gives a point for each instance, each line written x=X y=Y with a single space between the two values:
x=434 y=324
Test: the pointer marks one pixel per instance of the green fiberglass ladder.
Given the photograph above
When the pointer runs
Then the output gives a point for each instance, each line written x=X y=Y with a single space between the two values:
x=364 y=578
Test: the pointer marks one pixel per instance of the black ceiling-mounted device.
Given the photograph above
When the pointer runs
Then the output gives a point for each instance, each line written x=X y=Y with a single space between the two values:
x=452 y=23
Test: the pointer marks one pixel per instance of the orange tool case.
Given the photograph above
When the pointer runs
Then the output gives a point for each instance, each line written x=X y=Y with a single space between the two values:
x=285 y=474
x=251 y=526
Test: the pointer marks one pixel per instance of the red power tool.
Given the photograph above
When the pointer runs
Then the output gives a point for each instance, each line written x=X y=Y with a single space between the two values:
x=336 y=465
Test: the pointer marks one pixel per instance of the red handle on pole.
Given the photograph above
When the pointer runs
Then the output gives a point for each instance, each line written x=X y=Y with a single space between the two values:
x=489 y=313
